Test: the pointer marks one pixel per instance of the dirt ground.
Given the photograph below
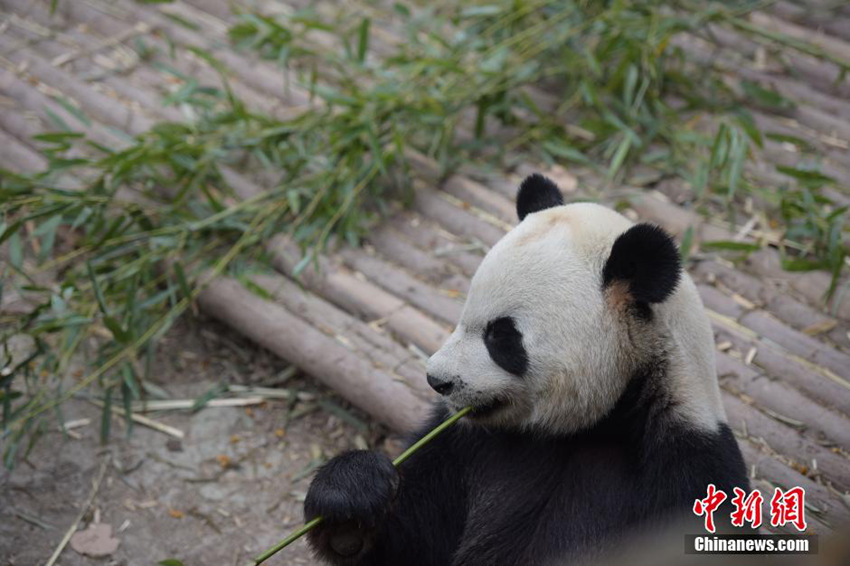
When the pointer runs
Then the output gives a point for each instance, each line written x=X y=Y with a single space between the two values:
x=227 y=491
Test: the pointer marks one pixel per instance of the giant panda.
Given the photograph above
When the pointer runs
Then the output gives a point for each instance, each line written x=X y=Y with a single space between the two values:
x=589 y=361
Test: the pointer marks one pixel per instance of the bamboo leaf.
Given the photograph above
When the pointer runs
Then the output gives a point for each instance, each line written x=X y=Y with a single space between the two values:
x=363 y=39
x=73 y=110
x=211 y=394
x=257 y=289
x=302 y=264
x=122 y=336
x=181 y=280
x=729 y=245
x=620 y=156
x=98 y=293
x=807 y=176
x=16 y=251
x=687 y=244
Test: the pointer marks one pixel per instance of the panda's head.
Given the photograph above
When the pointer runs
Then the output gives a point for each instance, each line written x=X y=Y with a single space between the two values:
x=564 y=310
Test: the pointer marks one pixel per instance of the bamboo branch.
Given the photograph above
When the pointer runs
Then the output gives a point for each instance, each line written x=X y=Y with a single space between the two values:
x=145 y=421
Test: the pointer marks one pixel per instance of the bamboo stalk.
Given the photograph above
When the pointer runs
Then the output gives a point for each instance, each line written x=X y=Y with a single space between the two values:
x=177 y=404
x=145 y=421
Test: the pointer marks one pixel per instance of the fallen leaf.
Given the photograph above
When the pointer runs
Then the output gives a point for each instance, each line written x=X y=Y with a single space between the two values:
x=177 y=514
x=820 y=327
x=223 y=460
x=96 y=541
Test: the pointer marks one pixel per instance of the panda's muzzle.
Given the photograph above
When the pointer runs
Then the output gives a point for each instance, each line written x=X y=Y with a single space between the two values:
x=488 y=408
x=441 y=386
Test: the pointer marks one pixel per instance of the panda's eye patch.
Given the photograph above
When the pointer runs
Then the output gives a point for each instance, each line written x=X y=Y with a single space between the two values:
x=504 y=343
x=502 y=329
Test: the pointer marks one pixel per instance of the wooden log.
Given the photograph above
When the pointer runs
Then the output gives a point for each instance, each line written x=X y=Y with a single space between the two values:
x=360 y=296
x=812 y=286
x=269 y=324
x=143 y=76
x=818 y=460
x=813 y=381
x=93 y=103
x=777 y=154
x=777 y=473
x=369 y=340
x=149 y=103
x=762 y=293
x=833 y=149
x=17 y=125
x=831 y=45
x=441 y=273
x=823 y=19
x=30 y=99
x=102 y=107
x=425 y=297
x=467 y=190
x=732 y=303
x=221 y=10
x=798 y=343
x=820 y=75
x=805 y=93
x=265 y=77
x=427 y=235
x=780 y=401
x=18 y=157
x=456 y=220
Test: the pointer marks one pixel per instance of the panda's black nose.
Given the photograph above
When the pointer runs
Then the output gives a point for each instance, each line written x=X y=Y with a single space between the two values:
x=443 y=387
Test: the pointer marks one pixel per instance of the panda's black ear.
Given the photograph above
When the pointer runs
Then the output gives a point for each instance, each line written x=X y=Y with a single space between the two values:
x=645 y=258
x=537 y=193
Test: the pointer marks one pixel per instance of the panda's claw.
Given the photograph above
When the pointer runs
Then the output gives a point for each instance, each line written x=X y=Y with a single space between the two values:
x=353 y=493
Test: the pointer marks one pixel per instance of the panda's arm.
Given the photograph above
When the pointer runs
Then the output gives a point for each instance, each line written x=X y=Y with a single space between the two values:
x=420 y=525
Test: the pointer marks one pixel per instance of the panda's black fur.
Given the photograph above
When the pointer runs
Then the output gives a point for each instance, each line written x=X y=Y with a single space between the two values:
x=484 y=496
x=537 y=193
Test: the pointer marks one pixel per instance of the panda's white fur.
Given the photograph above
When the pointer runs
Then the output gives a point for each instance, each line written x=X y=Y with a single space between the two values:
x=546 y=274
x=588 y=359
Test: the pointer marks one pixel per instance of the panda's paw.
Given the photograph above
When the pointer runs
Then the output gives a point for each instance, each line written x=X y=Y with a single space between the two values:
x=353 y=494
